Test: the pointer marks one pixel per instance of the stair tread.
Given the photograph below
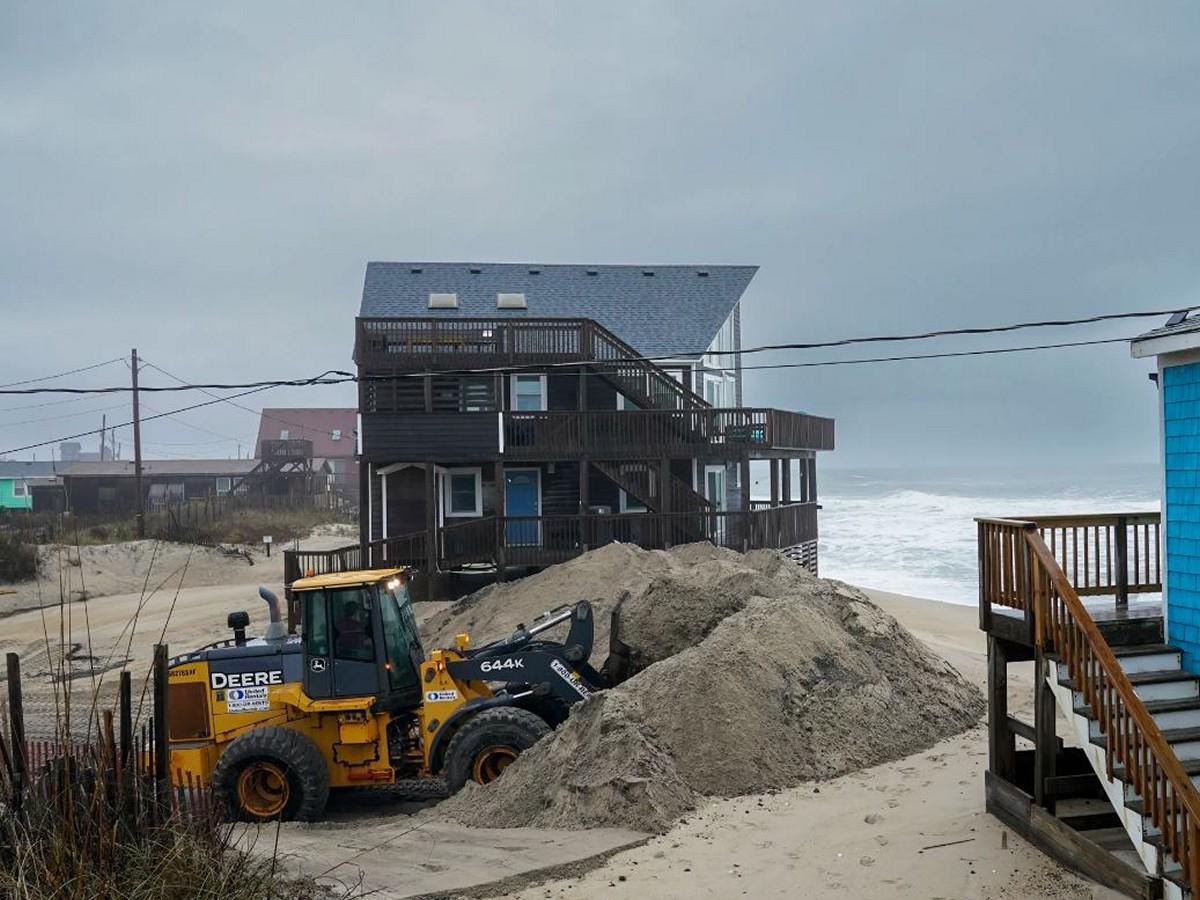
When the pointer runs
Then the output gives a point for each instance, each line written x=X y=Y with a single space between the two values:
x=1143 y=649
x=1183 y=704
x=1171 y=735
x=1158 y=676
x=1190 y=767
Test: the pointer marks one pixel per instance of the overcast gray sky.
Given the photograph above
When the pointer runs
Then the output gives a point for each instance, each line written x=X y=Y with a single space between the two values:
x=206 y=181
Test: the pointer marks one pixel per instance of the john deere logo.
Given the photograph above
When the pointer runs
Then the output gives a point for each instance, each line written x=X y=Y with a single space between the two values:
x=317 y=664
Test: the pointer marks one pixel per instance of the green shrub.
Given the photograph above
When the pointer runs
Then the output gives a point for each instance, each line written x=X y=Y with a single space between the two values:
x=18 y=559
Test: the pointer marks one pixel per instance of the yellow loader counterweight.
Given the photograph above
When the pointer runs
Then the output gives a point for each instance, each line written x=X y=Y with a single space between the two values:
x=274 y=723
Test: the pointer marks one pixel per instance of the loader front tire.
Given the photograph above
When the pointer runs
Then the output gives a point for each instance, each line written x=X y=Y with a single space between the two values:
x=486 y=743
x=272 y=773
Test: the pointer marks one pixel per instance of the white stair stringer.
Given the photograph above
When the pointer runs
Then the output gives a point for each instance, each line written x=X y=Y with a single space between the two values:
x=1136 y=826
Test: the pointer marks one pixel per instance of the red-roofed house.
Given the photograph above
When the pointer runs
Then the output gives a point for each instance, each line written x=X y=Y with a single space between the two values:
x=333 y=432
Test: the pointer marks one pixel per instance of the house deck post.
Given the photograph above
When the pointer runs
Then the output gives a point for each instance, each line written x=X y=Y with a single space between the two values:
x=744 y=481
x=431 y=504
x=501 y=555
x=664 y=500
x=787 y=480
x=584 y=501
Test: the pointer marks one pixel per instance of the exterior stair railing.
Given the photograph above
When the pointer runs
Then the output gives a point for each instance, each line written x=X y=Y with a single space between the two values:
x=1019 y=570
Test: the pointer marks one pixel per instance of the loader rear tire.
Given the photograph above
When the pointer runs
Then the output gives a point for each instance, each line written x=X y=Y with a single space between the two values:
x=272 y=773
x=486 y=743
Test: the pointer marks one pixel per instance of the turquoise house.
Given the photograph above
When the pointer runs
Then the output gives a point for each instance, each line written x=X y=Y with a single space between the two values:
x=17 y=480
x=1176 y=348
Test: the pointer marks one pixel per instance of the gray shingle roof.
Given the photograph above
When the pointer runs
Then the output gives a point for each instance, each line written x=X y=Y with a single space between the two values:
x=19 y=468
x=158 y=467
x=676 y=310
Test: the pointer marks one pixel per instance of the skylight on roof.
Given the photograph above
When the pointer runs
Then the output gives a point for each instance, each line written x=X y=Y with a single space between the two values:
x=443 y=301
x=510 y=301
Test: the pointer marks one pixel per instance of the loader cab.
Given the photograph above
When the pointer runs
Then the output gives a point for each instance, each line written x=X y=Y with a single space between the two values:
x=360 y=637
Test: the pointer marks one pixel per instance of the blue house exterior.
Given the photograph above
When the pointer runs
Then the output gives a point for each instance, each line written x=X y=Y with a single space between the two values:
x=1176 y=347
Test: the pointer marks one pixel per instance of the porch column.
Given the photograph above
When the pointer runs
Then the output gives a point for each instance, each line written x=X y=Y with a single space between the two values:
x=501 y=554
x=744 y=480
x=431 y=535
x=383 y=529
x=774 y=482
x=664 y=500
x=787 y=481
x=364 y=503
x=584 y=501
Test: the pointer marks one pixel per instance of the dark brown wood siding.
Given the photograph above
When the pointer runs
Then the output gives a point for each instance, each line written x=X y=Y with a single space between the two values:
x=403 y=437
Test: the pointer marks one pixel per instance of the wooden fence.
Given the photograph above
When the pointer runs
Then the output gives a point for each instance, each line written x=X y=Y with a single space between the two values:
x=119 y=772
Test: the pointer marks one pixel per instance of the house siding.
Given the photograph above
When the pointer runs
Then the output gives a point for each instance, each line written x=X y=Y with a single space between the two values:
x=8 y=500
x=1181 y=452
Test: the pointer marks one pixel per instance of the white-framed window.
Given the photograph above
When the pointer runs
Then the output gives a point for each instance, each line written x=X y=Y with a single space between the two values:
x=714 y=390
x=20 y=488
x=631 y=504
x=528 y=393
x=284 y=434
x=224 y=485
x=463 y=489
x=336 y=434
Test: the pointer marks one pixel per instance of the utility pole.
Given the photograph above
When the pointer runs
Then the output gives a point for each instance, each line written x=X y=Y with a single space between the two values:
x=137 y=449
x=103 y=428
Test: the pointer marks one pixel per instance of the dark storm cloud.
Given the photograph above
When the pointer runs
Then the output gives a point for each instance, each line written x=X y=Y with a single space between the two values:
x=207 y=182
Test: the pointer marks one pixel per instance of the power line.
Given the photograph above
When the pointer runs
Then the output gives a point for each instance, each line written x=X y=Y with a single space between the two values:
x=98 y=365
x=948 y=355
x=948 y=332
x=258 y=413
x=173 y=418
x=342 y=377
x=182 y=409
x=72 y=415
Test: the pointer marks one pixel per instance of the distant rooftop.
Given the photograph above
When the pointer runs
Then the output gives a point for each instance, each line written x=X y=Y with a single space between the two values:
x=659 y=310
x=1180 y=332
x=151 y=467
x=20 y=468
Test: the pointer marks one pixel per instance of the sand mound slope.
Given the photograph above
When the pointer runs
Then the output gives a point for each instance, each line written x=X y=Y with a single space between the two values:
x=755 y=675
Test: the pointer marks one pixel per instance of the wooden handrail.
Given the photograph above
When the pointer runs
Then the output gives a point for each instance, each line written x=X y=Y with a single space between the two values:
x=1132 y=737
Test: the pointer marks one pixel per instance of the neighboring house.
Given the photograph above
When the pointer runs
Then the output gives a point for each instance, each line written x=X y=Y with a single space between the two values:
x=508 y=418
x=332 y=432
x=110 y=487
x=1177 y=348
x=19 y=479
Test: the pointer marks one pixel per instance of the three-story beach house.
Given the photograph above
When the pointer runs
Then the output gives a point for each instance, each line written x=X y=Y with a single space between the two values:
x=516 y=415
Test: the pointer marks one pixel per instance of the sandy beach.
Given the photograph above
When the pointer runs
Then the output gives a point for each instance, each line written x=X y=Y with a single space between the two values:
x=912 y=828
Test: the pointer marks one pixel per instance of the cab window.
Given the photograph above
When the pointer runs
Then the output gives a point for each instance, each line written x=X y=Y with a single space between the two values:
x=352 y=626
x=400 y=636
x=316 y=624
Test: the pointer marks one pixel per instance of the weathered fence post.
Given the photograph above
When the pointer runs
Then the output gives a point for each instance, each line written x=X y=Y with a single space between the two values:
x=162 y=748
x=16 y=728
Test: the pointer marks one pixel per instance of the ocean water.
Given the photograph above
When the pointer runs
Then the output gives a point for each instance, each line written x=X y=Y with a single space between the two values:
x=912 y=531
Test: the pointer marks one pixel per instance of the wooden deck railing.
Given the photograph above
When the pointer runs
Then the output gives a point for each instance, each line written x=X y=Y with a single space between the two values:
x=432 y=343
x=1021 y=570
x=656 y=432
x=542 y=540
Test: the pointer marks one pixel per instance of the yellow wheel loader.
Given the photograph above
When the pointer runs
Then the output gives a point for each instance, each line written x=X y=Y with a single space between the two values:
x=274 y=723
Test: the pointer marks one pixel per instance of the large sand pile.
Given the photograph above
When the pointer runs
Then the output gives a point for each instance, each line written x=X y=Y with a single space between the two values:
x=751 y=675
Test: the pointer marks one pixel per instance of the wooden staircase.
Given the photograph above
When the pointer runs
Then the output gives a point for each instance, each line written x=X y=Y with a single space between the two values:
x=643 y=481
x=1172 y=697
x=1132 y=708
x=643 y=382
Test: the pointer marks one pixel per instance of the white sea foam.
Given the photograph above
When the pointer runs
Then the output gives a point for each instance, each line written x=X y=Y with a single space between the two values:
x=919 y=538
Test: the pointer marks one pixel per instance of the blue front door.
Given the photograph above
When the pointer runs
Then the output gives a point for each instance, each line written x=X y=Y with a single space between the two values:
x=522 y=497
